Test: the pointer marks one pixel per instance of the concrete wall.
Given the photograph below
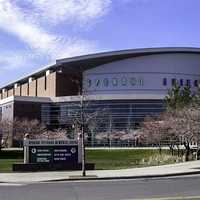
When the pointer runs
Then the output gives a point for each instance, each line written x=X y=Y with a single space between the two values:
x=50 y=89
x=24 y=89
x=7 y=111
x=10 y=92
x=32 y=88
x=5 y=94
x=17 y=91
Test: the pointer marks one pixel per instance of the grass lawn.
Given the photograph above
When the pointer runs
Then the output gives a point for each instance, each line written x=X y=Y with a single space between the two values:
x=8 y=158
x=6 y=164
x=103 y=159
x=119 y=159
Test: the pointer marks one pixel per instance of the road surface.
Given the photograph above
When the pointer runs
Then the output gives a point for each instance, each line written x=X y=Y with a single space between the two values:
x=146 y=189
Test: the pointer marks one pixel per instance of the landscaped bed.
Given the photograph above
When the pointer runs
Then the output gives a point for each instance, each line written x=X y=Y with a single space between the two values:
x=104 y=158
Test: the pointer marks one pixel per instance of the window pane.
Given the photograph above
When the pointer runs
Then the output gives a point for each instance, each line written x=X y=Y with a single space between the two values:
x=188 y=83
x=173 y=81
x=196 y=83
x=164 y=81
x=181 y=82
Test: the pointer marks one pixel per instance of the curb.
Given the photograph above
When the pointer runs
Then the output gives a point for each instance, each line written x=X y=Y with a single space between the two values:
x=95 y=177
x=123 y=177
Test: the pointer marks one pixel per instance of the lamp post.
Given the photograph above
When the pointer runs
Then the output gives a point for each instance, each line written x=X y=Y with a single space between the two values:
x=82 y=121
x=83 y=136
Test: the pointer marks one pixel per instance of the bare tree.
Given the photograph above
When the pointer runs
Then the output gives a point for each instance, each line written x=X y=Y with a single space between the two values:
x=84 y=118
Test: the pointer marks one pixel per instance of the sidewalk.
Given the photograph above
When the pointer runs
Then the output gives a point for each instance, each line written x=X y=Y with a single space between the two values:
x=192 y=167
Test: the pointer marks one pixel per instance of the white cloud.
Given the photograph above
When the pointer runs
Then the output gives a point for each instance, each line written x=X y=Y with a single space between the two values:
x=12 y=60
x=70 y=10
x=14 y=19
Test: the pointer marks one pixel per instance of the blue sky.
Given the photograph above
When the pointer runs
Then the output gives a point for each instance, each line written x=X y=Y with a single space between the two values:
x=34 y=33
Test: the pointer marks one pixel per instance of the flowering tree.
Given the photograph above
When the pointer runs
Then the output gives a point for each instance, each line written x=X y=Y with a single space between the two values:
x=6 y=133
x=155 y=131
x=175 y=127
x=17 y=129
x=24 y=126
x=189 y=121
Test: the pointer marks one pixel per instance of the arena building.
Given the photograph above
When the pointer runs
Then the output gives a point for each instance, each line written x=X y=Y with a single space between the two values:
x=128 y=84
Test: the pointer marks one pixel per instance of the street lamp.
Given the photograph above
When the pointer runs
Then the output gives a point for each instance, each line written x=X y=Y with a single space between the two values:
x=83 y=137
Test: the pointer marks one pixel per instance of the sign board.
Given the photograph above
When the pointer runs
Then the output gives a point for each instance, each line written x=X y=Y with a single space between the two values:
x=53 y=154
x=31 y=142
x=52 y=151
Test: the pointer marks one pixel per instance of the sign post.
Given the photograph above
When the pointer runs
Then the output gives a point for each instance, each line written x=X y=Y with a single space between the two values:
x=26 y=149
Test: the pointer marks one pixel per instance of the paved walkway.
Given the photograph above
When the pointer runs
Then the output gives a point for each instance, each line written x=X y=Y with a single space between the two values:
x=157 y=171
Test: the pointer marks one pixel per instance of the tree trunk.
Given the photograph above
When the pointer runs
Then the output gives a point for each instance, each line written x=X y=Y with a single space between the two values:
x=160 y=149
x=197 y=153
x=187 y=151
x=171 y=149
x=178 y=151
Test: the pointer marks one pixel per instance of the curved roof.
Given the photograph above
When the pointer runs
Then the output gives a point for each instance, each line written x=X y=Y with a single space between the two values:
x=89 y=61
x=81 y=63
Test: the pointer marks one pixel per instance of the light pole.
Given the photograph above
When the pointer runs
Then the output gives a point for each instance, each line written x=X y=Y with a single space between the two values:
x=82 y=122
x=83 y=136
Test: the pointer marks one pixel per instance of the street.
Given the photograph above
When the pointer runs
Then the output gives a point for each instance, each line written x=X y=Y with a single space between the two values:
x=160 y=188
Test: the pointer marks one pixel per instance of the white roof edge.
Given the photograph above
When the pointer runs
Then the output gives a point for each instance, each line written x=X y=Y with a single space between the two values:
x=26 y=99
x=110 y=97
x=77 y=98
x=7 y=100
x=33 y=99
x=130 y=51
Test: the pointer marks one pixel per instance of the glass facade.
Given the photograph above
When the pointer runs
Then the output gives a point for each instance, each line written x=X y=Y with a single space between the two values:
x=105 y=115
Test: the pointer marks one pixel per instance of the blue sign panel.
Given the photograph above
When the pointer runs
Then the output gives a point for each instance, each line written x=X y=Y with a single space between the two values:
x=53 y=154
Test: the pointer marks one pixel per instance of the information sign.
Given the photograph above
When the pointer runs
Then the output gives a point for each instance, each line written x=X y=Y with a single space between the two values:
x=53 y=154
